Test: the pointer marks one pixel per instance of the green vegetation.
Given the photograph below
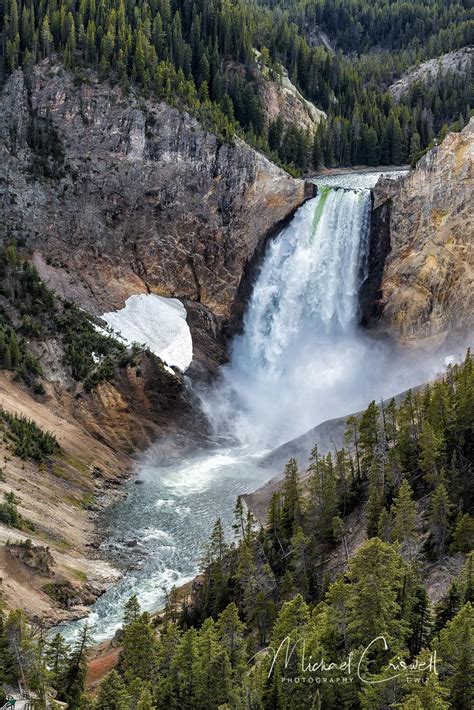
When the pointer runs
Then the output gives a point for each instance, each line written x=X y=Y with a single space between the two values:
x=10 y=516
x=62 y=591
x=24 y=301
x=200 y=56
x=92 y=355
x=419 y=28
x=406 y=471
x=26 y=439
x=31 y=313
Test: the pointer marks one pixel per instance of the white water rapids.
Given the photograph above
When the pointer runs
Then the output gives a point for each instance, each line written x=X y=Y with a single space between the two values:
x=300 y=359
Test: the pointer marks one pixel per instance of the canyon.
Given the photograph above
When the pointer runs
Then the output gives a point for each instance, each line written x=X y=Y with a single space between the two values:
x=145 y=200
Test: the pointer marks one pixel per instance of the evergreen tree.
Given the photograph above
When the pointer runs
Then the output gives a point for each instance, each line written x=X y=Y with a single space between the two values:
x=439 y=518
x=131 y=610
x=112 y=694
x=76 y=670
x=405 y=527
x=430 y=449
x=455 y=653
x=291 y=507
x=138 y=658
x=376 y=573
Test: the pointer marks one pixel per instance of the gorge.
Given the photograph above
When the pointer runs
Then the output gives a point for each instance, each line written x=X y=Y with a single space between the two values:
x=236 y=372
x=300 y=359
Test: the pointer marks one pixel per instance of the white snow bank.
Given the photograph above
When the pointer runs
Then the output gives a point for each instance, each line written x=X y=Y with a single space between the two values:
x=158 y=323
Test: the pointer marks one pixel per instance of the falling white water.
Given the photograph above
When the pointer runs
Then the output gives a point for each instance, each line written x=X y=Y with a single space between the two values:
x=309 y=282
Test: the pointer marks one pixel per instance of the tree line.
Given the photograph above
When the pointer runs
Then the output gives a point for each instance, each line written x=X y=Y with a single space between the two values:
x=200 y=56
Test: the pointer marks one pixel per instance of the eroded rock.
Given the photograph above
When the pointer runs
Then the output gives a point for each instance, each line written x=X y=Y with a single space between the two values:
x=427 y=288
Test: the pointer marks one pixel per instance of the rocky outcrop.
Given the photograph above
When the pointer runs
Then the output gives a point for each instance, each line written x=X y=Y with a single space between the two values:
x=457 y=62
x=140 y=406
x=120 y=196
x=427 y=289
x=281 y=99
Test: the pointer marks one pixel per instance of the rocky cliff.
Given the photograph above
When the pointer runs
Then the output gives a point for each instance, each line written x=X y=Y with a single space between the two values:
x=281 y=99
x=425 y=292
x=120 y=196
x=457 y=62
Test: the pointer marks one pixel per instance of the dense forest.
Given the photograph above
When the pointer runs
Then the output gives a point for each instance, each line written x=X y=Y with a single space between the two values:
x=283 y=617
x=200 y=56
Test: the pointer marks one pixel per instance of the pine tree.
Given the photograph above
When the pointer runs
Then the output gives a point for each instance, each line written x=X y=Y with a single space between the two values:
x=212 y=669
x=291 y=507
x=299 y=562
x=425 y=692
x=463 y=534
x=138 y=658
x=376 y=573
x=385 y=526
x=404 y=511
x=76 y=670
x=231 y=637
x=323 y=500
x=145 y=700
x=112 y=694
x=430 y=449
x=56 y=658
x=7 y=659
x=181 y=684
x=440 y=507
x=131 y=610
x=369 y=435
x=455 y=653
x=376 y=499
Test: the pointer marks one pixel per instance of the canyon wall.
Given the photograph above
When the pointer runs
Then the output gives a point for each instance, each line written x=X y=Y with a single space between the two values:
x=113 y=195
x=120 y=196
x=424 y=294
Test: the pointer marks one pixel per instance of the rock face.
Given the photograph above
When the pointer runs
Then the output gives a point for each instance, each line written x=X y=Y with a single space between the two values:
x=457 y=62
x=282 y=100
x=120 y=196
x=427 y=288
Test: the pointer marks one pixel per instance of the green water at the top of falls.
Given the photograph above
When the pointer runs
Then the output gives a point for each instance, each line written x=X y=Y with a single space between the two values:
x=324 y=191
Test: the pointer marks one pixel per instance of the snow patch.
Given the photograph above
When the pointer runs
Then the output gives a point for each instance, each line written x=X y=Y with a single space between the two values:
x=158 y=323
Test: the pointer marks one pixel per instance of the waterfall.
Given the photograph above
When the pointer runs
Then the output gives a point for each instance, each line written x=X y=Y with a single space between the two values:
x=297 y=359
x=300 y=359
x=309 y=282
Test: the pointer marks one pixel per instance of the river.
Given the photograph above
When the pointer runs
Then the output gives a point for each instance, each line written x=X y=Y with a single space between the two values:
x=300 y=359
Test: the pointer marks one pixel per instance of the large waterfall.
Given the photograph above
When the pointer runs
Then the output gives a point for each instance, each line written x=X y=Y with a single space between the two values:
x=309 y=281
x=299 y=349
x=299 y=360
